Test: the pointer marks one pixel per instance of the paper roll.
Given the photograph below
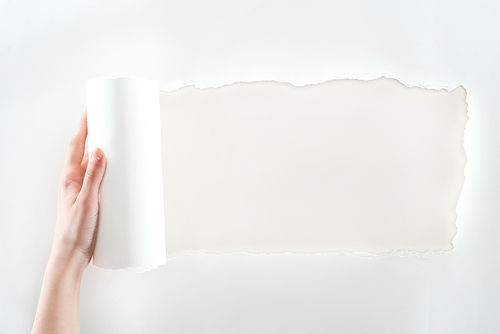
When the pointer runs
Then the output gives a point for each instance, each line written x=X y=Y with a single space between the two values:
x=124 y=121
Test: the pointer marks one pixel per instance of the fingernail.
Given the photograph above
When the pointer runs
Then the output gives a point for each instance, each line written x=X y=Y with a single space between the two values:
x=96 y=155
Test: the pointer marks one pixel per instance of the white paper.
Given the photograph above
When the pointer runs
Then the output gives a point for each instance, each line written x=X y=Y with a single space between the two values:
x=265 y=167
x=347 y=165
x=124 y=121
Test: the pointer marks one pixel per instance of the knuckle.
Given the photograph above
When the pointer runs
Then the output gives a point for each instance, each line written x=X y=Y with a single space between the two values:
x=91 y=172
x=67 y=179
x=89 y=204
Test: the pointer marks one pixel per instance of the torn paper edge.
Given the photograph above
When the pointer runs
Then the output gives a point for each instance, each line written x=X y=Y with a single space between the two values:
x=131 y=269
x=365 y=255
x=179 y=84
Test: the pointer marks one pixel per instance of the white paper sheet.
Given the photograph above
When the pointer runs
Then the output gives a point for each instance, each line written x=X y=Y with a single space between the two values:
x=347 y=165
x=266 y=167
x=124 y=121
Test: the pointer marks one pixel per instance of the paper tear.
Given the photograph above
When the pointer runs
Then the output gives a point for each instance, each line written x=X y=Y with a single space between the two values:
x=214 y=153
x=136 y=269
x=368 y=76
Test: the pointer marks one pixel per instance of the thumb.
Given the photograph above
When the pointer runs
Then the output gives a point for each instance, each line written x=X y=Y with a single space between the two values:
x=94 y=174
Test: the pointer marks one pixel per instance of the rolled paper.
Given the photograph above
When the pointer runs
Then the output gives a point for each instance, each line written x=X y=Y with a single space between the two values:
x=123 y=117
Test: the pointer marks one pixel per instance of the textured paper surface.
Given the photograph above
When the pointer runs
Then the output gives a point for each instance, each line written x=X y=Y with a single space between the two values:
x=347 y=165
x=124 y=120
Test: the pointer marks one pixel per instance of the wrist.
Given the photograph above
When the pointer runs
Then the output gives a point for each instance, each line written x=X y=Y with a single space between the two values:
x=58 y=306
x=69 y=264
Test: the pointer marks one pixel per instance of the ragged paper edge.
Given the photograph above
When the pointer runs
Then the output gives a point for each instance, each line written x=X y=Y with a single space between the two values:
x=179 y=84
x=130 y=268
x=365 y=255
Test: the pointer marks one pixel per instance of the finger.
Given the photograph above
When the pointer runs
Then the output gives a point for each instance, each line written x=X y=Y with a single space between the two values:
x=77 y=143
x=85 y=160
x=93 y=176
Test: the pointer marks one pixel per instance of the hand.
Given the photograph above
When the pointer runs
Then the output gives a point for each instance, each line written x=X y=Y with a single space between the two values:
x=78 y=204
x=74 y=240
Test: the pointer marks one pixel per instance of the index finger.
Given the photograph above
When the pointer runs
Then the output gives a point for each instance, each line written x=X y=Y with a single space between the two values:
x=77 y=143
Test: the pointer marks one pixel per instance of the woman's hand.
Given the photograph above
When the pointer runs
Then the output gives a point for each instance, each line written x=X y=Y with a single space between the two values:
x=74 y=240
x=78 y=205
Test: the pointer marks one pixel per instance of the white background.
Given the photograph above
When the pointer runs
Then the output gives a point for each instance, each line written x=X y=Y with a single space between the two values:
x=49 y=50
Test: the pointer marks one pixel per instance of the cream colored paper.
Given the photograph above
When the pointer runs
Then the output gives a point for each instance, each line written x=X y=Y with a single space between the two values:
x=124 y=120
x=266 y=167
x=347 y=165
